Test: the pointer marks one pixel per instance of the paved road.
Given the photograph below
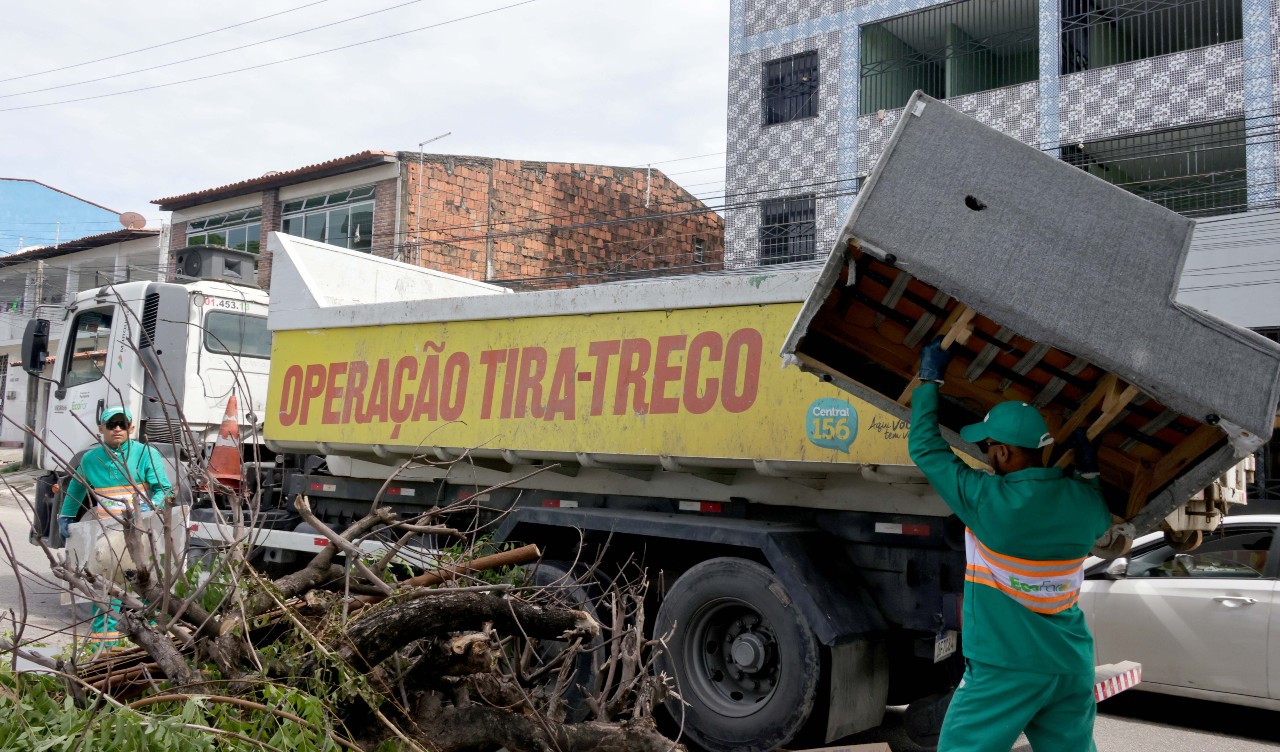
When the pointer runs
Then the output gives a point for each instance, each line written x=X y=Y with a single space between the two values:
x=46 y=617
x=1145 y=722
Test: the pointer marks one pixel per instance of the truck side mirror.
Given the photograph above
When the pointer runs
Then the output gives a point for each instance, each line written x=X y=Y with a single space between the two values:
x=1117 y=569
x=35 y=346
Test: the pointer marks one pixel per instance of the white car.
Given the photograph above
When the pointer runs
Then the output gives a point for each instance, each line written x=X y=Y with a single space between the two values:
x=1203 y=624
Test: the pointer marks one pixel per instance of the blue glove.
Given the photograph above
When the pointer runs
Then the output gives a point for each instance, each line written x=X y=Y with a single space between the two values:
x=933 y=362
x=64 y=526
x=1086 y=453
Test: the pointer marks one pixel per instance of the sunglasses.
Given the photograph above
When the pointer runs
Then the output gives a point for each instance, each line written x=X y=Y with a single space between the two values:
x=986 y=445
x=117 y=423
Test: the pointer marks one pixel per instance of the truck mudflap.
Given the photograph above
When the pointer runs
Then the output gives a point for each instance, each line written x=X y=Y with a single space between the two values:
x=1049 y=286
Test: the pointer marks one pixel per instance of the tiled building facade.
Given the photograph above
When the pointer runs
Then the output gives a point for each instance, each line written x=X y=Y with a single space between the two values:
x=1124 y=88
x=520 y=223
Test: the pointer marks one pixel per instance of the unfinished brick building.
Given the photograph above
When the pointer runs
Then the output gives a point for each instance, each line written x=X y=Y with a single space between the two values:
x=518 y=223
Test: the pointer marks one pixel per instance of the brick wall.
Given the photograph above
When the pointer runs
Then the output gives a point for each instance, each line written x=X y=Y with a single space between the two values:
x=538 y=224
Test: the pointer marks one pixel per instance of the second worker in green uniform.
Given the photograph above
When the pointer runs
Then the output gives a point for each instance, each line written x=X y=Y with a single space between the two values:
x=124 y=476
x=1028 y=654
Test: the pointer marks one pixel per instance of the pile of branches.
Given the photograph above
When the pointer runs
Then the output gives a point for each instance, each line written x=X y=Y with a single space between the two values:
x=345 y=654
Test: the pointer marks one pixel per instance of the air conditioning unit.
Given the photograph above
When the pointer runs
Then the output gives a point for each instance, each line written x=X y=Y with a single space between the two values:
x=216 y=262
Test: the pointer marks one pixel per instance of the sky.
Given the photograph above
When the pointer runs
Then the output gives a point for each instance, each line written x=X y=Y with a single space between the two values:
x=600 y=81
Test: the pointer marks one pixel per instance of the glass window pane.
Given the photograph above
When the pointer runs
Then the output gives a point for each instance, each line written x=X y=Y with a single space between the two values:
x=237 y=334
x=364 y=192
x=92 y=335
x=197 y=224
x=253 y=214
x=313 y=202
x=361 y=233
x=338 y=220
x=292 y=226
x=196 y=239
x=252 y=233
x=338 y=198
x=233 y=217
x=315 y=226
x=217 y=238
x=292 y=206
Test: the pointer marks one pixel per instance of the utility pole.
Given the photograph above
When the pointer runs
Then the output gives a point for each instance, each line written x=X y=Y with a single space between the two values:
x=33 y=383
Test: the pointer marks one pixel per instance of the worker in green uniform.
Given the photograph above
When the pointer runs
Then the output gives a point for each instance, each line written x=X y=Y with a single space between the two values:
x=1029 y=656
x=125 y=477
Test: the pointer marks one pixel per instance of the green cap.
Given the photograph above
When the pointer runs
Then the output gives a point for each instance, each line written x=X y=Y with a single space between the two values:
x=111 y=412
x=1013 y=423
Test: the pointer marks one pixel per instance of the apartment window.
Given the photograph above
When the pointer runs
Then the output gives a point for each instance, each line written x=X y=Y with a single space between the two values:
x=241 y=230
x=949 y=51
x=344 y=218
x=790 y=88
x=1198 y=170
x=1096 y=34
x=787 y=229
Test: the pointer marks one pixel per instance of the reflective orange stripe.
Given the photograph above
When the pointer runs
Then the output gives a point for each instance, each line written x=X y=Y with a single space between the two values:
x=1044 y=587
x=1031 y=568
x=984 y=575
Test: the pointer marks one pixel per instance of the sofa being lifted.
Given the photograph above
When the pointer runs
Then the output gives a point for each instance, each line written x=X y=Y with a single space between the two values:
x=1050 y=286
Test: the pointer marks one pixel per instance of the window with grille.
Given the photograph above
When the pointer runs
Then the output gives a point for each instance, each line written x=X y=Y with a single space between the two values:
x=1097 y=34
x=790 y=88
x=949 y=51
x=788 y=231
x=1198 y=170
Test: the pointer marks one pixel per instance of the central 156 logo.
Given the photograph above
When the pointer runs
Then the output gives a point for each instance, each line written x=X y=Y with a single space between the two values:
x=832 y=423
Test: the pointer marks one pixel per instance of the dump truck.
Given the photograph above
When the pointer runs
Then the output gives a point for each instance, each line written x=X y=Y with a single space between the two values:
x=177 y=354
x=804 y=573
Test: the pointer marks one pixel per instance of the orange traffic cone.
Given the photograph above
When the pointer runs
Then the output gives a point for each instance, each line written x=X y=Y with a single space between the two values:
x=224 y=461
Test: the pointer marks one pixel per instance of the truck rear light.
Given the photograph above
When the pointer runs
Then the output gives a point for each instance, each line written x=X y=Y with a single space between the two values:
x=320 y=541
x=394 y=491
x=324 y=487
x=897 y=528
x=559 y=503
x=712 y=507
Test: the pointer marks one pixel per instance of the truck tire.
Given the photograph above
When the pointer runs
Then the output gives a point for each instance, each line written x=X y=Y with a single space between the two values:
x=570 y=591
x=745 y=660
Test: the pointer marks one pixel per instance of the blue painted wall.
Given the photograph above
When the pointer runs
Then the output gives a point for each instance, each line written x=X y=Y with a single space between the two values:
x=35 y=214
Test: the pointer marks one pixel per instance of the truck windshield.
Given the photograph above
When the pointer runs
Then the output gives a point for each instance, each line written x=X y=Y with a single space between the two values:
x=237 y=334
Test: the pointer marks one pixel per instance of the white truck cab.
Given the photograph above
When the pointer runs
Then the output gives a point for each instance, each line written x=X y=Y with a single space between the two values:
x=173 y=353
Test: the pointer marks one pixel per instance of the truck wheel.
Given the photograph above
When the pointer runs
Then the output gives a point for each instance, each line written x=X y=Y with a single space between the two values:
x=568 y=590
x=745 y=660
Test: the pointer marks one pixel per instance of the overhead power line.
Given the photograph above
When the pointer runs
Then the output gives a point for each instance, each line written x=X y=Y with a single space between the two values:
x=274 y=62
x=162 y=44
x=237 y=48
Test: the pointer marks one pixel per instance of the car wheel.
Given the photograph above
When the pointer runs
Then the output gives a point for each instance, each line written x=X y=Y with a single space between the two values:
x=746 y=663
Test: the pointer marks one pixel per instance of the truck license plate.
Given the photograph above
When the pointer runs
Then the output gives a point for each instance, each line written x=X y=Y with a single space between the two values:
x=945 y=645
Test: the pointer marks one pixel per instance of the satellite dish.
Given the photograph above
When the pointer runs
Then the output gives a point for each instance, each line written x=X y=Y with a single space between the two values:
x=133 y=220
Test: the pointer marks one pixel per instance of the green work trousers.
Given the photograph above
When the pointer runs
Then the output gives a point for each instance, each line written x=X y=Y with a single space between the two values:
x=994 y=705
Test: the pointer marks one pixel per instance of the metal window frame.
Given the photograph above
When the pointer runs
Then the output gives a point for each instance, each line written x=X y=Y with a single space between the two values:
x=789 y=98
x=1142 y=29
x=1006 y=32
x=788 y=229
